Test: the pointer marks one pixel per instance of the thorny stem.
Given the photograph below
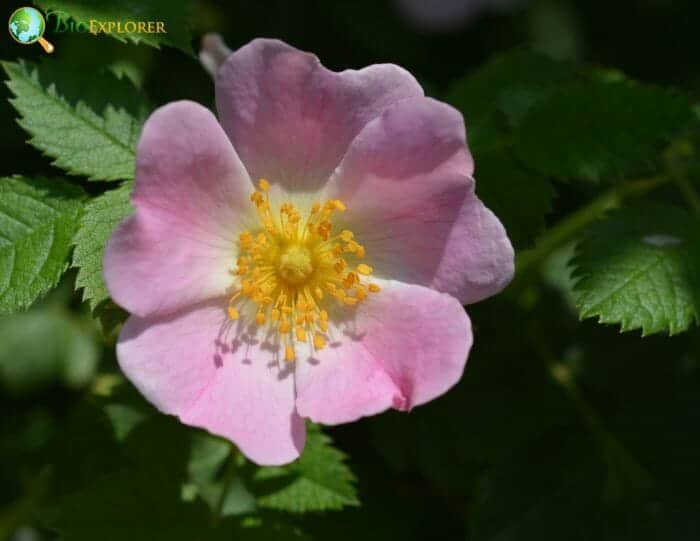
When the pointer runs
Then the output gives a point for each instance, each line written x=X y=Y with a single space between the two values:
x=229 y=476
x=567 y=229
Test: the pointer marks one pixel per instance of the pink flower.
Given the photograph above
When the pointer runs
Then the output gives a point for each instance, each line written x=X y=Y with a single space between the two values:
x=306 y=258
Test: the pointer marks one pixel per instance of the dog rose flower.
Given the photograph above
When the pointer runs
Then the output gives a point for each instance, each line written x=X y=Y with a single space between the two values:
x=305 y=256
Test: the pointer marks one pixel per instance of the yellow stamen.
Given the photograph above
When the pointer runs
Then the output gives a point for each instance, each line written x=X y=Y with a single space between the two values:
x=364 y=269
x=291 y=265
x=289 y=354
x=319 y=341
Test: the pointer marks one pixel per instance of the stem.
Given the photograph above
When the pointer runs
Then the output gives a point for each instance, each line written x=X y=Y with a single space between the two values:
x=614 y=453
x=689 y=192
x=561 y=374
x=618 y=459
x=564 y=231
x=229 y=476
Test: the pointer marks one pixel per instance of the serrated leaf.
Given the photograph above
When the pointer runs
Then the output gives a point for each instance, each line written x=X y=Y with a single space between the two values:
x=601 y=130
x=87 y=131
x=38 y=218
x=640 y=268
x=319 y=481
x=100 y=217
x=520 y=198
x=497 y=96
x=175 y=16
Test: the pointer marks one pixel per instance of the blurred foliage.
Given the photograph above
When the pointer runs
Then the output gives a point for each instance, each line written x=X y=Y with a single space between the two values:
x=560 y=428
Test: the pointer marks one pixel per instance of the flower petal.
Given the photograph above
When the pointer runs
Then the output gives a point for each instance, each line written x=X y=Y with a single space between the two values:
x=191 y=365
x=191 y=195
x=406 y=180
x=405 y=346
x=291 y=119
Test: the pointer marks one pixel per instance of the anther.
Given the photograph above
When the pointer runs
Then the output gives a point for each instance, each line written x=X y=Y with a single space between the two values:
x=319 y=341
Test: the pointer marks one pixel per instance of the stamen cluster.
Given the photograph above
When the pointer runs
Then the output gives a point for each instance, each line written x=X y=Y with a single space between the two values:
x=291 y=266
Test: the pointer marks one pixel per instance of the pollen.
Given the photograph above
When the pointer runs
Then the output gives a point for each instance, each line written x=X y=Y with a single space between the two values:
x=292 y=267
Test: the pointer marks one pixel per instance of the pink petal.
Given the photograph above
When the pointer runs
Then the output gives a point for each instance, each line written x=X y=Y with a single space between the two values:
x=197 y=366
x=290 y=119
x=191 y=195
x=406 y=346
x=406 y=180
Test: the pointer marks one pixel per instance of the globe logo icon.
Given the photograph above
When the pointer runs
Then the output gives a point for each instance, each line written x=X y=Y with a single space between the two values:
x=27 y=26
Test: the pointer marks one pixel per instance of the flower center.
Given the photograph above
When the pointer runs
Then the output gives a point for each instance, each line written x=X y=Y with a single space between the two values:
x=291 y=266
x=295 y=264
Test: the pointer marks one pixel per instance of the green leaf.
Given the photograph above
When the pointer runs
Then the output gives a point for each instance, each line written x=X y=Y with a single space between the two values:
x=209 y=468
x=100 y=217
x=601 y=130
x=38 y=218
x=319 y=481
x=520 y=198
x=640 y=268
x=87 y=131
x=497 y=96
x=175 y=15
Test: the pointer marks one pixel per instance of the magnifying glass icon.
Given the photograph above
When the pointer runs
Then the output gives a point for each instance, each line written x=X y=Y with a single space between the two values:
x=27 y=26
